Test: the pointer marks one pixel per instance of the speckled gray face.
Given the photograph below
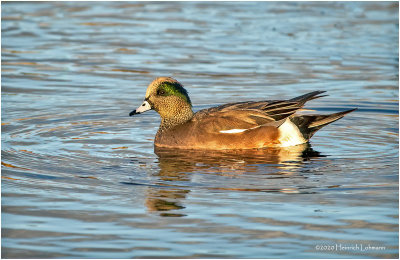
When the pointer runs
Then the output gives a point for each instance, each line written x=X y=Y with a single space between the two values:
x=143 y=108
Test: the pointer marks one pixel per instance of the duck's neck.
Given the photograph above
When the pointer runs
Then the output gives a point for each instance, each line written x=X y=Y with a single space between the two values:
x=180 y=117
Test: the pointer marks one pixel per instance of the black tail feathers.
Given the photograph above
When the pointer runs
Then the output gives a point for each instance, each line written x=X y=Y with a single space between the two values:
x=309 y=124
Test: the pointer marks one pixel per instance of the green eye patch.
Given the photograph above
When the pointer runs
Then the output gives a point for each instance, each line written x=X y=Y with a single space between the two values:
x=175 y=89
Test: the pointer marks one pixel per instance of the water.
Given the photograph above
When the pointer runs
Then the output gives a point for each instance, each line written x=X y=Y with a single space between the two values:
x=80 y=179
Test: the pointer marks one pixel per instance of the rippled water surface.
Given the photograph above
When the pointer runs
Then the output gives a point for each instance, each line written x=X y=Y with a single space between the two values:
x=80 y=179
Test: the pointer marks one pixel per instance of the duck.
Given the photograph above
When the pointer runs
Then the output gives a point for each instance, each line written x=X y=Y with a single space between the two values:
x=231 y=126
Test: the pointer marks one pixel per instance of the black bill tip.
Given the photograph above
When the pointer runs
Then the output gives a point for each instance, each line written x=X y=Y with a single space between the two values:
x=133 y=113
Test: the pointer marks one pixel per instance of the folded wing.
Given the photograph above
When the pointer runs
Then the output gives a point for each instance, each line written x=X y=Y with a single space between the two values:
x=238 y=117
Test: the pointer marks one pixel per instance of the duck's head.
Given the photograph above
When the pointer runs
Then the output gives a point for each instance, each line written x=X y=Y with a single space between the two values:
x=168 y=97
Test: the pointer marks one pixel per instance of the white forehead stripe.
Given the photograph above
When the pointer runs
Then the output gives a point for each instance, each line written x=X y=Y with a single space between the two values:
x=232 y=131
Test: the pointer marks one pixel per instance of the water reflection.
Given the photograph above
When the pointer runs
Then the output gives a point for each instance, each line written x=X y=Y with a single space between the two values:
x=174 y=178
x=173 y=160
x=275 y=204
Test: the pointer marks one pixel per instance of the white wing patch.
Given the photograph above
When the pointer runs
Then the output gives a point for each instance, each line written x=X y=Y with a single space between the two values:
x=235 y=131
x=232 y=131
x=290 y=134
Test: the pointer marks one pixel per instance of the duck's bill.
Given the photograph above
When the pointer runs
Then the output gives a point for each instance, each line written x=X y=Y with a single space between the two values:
x=143 y=108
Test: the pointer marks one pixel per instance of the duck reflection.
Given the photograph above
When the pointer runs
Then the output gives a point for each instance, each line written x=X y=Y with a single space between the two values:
x=173 y=162
x=176 y=165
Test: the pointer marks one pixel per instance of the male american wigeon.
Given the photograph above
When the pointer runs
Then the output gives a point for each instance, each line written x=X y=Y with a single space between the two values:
x=242 y=125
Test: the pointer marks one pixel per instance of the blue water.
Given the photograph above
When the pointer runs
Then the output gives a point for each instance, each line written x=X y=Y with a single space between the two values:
x=80 y=179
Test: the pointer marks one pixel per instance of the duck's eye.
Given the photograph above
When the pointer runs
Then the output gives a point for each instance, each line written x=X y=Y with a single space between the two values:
x=161 y=92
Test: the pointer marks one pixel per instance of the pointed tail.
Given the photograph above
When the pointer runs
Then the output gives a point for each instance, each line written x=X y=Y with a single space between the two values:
x=309 y=124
